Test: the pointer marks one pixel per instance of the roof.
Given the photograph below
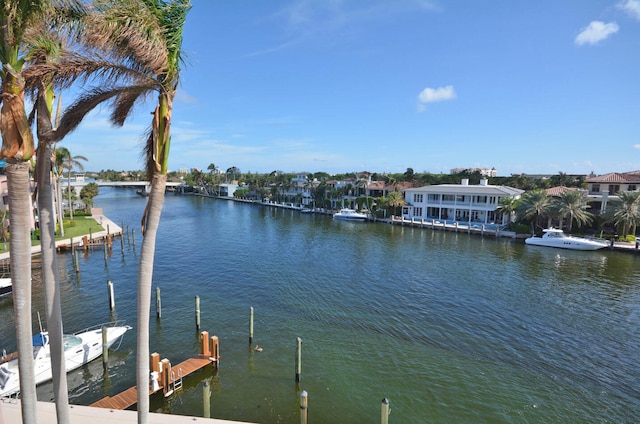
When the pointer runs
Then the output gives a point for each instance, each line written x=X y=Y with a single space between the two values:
x=616 y=177
x=557 y=191
x=485 y=190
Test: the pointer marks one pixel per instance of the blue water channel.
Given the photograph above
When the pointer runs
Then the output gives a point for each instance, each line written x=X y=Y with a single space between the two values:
x=450 y=327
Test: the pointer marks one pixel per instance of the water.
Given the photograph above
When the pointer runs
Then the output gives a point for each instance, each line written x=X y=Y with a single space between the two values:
x=449 y=327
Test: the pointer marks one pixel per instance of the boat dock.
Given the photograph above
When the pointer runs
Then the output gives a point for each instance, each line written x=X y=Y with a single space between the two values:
x=166 y=378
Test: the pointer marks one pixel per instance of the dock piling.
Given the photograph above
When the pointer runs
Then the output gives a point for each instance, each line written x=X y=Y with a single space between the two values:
x=112 y=301
x=304 y=407
x=197 y=313
x=250 y=326
x=105 y=349
x=298 y=359
x=385 y=411
x=158 y=304
x=206 y=400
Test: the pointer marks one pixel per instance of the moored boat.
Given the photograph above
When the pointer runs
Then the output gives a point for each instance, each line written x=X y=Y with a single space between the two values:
x=554 y=237
x=79 y=349
x=5 y=286
x=350 y=214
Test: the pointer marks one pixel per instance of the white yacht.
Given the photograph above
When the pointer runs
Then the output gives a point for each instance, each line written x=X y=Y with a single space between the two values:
x=553 y=237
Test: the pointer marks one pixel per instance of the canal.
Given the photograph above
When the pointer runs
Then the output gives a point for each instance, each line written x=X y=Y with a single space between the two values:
x=450 y=327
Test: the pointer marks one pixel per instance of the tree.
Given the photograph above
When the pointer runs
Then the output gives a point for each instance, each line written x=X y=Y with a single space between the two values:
x=17 y=18
x=507 y=206
x=573 y=203
x=87 y=194
x=534 y=204
x=626 y=210
x=64 y=160
x=395 y=200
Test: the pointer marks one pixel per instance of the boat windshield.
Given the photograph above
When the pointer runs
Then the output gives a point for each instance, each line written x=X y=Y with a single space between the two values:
x=71 y=341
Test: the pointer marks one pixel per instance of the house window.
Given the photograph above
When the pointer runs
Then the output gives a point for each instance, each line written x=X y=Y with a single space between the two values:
x=5 y=200
x=632 y=187
x=417 y=198
x=448 y=197
x=614 y=188
x=481 y=199
x=595 y=188
x=434 y=197
x=417 y=211
x=460 y=198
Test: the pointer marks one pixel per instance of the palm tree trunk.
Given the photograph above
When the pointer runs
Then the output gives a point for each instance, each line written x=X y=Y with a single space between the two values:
x=51 y=282
x=20 y=213
x=145 y=274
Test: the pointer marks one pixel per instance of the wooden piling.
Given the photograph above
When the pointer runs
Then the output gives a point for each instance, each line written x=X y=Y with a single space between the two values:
x=206 y=400
x=133 y=237
x=304 y=407
x=122 y=243
x=77 y=264
x=204 y=343
x=112 y=301
x=214 y=349
x=250 y=326
x=385 y=411
x=158 y=304
x=197 y=313
x=298 y=359
x=105 y=349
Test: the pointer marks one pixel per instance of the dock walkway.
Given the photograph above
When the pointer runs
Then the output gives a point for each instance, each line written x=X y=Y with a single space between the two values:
x=129 y=397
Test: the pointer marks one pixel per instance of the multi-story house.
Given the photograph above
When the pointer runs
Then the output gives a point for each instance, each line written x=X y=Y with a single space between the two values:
x=458 y=202
x=603 y=189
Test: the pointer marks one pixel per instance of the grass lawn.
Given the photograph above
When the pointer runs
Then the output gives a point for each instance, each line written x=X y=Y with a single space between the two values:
x=76 y=228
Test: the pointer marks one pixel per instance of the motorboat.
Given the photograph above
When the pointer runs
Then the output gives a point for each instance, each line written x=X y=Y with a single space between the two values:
x=554 y=237
x=79 y=349
x=5 y=286
x=350 y=214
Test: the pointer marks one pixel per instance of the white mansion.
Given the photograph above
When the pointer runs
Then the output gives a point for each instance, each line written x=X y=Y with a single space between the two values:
x=459 y=202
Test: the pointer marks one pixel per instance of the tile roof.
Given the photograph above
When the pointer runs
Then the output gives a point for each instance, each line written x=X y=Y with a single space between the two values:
x=616 y=177
x=557 y=191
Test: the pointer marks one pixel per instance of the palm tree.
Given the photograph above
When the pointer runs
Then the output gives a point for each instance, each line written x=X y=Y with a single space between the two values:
x=507 y=206
x=533 y=205
x=626 y=210
x=16 y=19
x=573 y=203
x=395 y=200
x=64 y=160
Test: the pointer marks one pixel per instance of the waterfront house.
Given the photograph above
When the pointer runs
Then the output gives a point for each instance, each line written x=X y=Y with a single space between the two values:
x=227 y=189
x=458 y=202
x=602 y=189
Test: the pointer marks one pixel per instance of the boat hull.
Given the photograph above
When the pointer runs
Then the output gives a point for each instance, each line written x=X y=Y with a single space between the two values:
x=566 y=243
x=80 y=348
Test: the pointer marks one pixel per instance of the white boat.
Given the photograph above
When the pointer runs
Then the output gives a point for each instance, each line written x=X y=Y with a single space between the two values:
x=350 y=214
x=553 y=237
x=5 y=286
x=79 y=349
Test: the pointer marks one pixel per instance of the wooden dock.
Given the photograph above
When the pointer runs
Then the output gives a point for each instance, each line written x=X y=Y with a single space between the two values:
x=165 y=377
x=129 y=397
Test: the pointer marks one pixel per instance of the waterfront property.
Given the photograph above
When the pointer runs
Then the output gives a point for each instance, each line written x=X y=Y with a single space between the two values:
x=463 y=202
x=605 y=188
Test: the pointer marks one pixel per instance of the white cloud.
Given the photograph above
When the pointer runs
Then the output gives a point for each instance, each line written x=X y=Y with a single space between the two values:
x=636 y=146
x=596 y=32
x=432 y=95
x=631 y=7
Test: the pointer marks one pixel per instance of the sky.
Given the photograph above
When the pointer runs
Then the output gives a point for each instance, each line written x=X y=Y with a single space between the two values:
x=534 y=87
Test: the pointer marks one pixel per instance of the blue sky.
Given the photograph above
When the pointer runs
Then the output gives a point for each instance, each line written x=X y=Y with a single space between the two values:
x=343 y=86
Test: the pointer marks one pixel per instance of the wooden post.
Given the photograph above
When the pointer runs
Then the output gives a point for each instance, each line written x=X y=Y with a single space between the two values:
x=133 y=237
x=73 y=250
x=385 y=411
x=122 y=243
x=128 y=236
x=197 y=313
x=298 y=359
x=108 y=233
x=158 y=304
x=105 y=349
x=204 y=343
x=105 y=252
x=206 y=400
x=112 y=301
x=77 y=264
x=90 y=235
x=214 y=348
x=251 y=326
x=304 y=407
